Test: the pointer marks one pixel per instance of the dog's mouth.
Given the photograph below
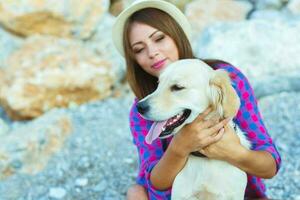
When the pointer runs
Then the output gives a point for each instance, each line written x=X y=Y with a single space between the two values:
x=165 y=128
x=174 y=122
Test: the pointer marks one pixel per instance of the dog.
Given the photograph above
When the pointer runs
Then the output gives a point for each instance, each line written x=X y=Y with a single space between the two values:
x=186 y=88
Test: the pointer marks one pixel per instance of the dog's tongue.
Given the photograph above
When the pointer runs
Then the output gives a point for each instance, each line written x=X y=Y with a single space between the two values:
x=155 y=131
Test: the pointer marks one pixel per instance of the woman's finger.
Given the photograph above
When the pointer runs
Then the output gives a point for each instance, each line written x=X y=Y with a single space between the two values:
x=209 y=123
x=212 y=139
x=204 y=114
x=219 y=125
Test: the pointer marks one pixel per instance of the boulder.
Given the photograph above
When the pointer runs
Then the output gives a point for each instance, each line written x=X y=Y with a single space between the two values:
x=62 y=18
x=48 y=72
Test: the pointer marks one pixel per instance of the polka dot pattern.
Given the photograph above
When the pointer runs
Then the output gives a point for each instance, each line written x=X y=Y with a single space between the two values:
x=248 y=119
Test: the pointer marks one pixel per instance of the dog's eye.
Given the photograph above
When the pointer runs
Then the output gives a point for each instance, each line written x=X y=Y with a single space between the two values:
x=176 y=87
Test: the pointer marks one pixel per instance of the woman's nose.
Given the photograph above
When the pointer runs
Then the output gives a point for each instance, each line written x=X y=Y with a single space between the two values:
x=152 y=51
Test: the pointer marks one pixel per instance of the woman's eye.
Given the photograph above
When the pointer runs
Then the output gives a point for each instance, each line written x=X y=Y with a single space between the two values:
x=176 y=87
x=136 y=51
x=160 y=38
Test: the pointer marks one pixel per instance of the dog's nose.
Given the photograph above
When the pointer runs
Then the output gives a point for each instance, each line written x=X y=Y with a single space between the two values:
x=142 y=107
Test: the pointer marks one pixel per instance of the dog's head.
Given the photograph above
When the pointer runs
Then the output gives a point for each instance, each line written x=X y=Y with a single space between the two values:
x=186 y=88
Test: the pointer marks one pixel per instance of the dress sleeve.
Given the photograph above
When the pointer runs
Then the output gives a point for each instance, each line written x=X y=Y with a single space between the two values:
x=249 y=118
x=149 y=155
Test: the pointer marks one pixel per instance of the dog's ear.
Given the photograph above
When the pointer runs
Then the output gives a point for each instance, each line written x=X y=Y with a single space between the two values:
x=224 y=98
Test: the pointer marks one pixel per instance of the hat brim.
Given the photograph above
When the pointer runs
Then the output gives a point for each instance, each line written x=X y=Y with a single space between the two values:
x=172 y=10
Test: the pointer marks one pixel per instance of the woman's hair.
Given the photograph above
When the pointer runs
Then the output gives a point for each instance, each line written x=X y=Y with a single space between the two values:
x=140 y=81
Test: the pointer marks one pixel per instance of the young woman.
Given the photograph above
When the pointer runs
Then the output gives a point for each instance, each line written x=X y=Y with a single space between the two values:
x=151 y=35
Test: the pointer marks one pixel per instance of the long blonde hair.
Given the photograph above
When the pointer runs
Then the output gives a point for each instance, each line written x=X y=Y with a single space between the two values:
x=140 y=81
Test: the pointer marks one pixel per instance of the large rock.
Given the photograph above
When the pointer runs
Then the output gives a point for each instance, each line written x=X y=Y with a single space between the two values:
x=202 y=13
x=294 y=7
x=272 y=15
x=268 y=4
x=117 y=6
x=63 y=18
x=28 y=148
x=8 y=43
x=102 y=45
x=257 y=47
x=47 y=72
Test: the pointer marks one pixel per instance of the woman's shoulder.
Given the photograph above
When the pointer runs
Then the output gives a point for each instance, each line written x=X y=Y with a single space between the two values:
x=233 y=71
x=220 y=64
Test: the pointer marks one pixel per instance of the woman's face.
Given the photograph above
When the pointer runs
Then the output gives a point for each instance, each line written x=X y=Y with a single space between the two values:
x=152 y=49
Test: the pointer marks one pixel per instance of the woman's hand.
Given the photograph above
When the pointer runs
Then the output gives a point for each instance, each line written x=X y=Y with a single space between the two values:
x=227 y=148
x=198 y=135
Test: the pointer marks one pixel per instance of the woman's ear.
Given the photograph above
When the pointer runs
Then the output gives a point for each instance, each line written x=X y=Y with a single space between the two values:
x=224 y=98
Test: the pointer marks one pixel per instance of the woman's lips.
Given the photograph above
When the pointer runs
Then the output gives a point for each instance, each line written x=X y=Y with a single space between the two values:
x=159 y=64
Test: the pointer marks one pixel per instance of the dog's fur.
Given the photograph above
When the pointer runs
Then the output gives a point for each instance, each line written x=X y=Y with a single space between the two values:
x=198 y=87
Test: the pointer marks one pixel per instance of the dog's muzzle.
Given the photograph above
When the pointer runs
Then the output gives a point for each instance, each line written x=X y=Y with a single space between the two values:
x=174 y=122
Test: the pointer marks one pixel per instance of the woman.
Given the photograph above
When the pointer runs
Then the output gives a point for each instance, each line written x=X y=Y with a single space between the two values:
x=151 y=35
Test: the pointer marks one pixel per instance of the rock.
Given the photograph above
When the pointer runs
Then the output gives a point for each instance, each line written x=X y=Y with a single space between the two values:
x=48 y=72
x=281 y=116
x=268 y=4
x=116 y=7
x=81 y=182
x=63 y=18
x=3 y=127
x=250 y=46
x=8 y=44
x=57 y=193
x=294 y=7
x=274 y=84
x=202 y=13
x=271 y=15
x=27 y=148
x=181 y=4
x=102 y=45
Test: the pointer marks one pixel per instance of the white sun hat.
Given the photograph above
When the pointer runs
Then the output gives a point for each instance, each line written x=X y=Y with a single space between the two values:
x=172 y=10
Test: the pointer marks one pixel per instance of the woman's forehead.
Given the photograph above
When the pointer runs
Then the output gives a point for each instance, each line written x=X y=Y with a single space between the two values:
x=140 y=31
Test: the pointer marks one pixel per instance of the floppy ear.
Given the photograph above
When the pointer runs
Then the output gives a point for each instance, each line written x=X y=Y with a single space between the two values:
x=224 y=98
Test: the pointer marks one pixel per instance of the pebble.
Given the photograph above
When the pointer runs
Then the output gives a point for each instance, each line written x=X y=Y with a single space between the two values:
x=81 y=182
x=57 y=193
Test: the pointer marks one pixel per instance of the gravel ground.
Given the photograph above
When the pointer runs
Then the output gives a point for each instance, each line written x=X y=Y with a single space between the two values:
x=281 y=114
x=99 y=161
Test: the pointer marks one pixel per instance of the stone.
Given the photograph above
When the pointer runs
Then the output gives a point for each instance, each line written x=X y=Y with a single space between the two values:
x=294 y=7
x=63 y=18
x=8 y=44
x=48 y=72
x=258 y=48
x=28 y=148
x=81 y=182
x=3 y=127
x=202 y=13
x=57 y=193
x=268 y=4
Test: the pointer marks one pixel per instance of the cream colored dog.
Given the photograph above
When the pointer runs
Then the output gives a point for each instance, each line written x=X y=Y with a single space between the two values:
x=186 y=88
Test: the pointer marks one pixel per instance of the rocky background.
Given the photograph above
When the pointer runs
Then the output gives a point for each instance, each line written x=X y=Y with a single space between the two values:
x=64 y=103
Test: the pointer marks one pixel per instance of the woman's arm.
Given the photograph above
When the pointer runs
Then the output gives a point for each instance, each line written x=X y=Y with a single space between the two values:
x=165 y=171
x=257 y=163
x=229 y=148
